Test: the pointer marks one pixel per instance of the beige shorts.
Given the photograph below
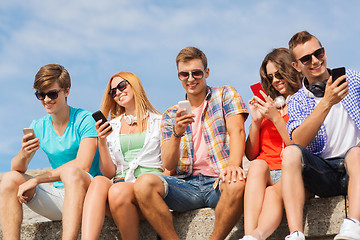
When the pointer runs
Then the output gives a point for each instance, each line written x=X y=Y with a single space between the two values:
x=48 y=201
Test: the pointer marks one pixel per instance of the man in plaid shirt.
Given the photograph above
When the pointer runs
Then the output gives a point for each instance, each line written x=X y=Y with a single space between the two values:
x=203 y=150
x=325 y=126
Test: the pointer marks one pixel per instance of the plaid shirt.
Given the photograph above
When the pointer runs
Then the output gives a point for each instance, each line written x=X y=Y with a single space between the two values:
x=301 y=105
x=221 y=103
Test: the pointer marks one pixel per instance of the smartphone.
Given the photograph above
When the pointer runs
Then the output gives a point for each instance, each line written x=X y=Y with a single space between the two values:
x=185 y=104
x=256 y=90
x=336 y=73
x=27 y=131
x=99 y=115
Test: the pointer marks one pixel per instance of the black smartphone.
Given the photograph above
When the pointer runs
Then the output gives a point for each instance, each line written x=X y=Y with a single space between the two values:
x=99 y=115
x=336 y=73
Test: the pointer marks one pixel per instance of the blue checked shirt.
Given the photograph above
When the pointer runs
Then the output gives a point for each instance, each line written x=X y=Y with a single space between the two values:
x=301 y=105
x=221 y=103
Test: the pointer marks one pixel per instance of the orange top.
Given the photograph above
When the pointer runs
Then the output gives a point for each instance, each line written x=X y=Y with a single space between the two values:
x=271 y=144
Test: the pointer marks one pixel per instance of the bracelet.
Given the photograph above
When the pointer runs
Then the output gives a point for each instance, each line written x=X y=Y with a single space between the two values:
x=175 y=134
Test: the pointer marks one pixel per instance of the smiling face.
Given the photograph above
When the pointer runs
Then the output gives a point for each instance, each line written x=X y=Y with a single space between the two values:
x=279 y=83
x=192 y=86
x=53 y=106
x=316 y=69
x=124 y=98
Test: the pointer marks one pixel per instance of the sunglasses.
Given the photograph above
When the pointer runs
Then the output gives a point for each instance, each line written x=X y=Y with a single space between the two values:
x=51 y=94
x=121 y=86
x=196 y=74
x=307 y=59
x=277 y=75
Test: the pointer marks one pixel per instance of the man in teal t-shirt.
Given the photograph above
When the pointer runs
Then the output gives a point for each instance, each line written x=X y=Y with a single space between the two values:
x=68 y=137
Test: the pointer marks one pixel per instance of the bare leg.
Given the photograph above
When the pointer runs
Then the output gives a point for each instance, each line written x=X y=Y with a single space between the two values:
x=76 y=182
x=228 y=209
x=124 y=210
x=271 y=213
x=258 y=178
x=293 y=188
x=148 y=191
x=353 y=167
x=10 y=207
x=95 y=205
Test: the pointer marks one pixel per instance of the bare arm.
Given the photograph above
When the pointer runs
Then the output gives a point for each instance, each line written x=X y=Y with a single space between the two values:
x=252 y=148
x=306 y=132
x=20 y=161
x=83 y=160
x=107 y=166
x=170 y=151
x=235 y=128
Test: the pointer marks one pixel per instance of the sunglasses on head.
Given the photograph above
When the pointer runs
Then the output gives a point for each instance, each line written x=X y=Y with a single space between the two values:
x=277 y=75
x=121 y=86
x=53 y=94
x=196 y=74
x=307 y=59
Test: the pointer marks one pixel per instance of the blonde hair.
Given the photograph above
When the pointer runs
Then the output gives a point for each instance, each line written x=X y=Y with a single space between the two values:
x=142 y=103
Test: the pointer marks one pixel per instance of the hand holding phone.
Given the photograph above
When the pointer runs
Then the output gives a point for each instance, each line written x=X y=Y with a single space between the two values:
x=256 y=90
x=27 y=131
x=336 y=73
x=185 y=104
x=98 y=115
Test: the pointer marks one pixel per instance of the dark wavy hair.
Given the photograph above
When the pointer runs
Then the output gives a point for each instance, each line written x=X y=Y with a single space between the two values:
x=282 y=59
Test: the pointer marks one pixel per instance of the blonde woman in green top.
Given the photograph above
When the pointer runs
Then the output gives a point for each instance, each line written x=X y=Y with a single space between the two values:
x=129 y=146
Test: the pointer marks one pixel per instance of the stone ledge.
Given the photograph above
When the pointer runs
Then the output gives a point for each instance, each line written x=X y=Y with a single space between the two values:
x=323 y=218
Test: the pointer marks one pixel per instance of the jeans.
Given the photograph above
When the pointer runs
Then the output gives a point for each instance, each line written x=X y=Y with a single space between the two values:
x=324 y=177
x=275 y=175
x=190 y=193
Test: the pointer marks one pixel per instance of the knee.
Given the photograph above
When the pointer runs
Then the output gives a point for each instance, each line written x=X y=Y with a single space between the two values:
x=74 y=176
x=11 y=181
x=233 y=190
x=100 y=184
x=352 y=158
x=147 y=184
x=258 y=168
x=291 y=157
x=120 y=195
x=273 y=192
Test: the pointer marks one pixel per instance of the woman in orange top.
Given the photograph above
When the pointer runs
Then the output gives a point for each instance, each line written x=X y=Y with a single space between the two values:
x=263 y=207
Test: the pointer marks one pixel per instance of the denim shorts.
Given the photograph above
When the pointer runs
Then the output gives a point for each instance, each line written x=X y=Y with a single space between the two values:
x=190 y=193
x=275 y=175
x=324 y=177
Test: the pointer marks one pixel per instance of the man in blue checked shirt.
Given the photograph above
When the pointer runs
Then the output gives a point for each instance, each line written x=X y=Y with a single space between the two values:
x=200 y=148
x=324 y=125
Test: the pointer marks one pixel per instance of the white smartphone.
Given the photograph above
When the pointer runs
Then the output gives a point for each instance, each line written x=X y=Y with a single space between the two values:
x=185 y=104
x=27 y=131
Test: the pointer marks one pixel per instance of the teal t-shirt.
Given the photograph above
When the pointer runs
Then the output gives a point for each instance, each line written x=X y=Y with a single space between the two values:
x=62 y=149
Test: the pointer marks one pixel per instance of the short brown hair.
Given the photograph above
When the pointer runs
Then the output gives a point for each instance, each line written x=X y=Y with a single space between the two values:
x=301 y=38
x=190 y=53
x=49 y=74
x=282 y=60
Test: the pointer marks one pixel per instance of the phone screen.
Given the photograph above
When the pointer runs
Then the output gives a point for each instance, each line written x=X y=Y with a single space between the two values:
x=336 y=73
x=256 y=90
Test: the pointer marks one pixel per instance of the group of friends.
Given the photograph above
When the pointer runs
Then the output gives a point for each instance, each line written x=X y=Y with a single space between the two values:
x=304 y=140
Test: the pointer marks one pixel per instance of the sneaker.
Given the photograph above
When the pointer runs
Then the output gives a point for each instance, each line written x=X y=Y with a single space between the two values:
x=248 y=237
x=349 y=230
x=296 y=235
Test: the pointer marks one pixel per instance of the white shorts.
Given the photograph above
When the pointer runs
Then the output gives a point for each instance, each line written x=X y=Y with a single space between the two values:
x=48 y=201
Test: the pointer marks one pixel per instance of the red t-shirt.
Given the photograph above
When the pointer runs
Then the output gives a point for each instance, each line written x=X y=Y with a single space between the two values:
x=271 y=144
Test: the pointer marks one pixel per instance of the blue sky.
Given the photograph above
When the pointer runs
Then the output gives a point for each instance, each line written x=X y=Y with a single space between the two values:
x=95 y=39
